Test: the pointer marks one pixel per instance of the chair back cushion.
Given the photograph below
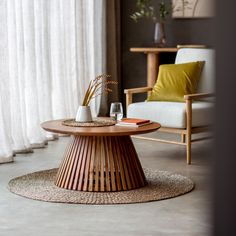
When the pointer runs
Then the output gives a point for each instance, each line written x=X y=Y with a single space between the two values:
x=206 y=82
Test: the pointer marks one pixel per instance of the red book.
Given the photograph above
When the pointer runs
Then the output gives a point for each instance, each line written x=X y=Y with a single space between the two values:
x=134 y=121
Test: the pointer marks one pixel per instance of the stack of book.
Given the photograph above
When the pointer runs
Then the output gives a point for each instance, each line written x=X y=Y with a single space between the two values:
x=133 y=122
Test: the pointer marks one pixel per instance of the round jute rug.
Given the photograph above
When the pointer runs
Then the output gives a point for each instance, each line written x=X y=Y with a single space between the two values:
x=161 y=185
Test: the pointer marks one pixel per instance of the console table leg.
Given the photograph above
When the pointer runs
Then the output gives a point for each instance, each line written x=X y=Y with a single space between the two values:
x=152 y=68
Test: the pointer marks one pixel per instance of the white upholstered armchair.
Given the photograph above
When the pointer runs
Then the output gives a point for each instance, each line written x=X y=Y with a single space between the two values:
x=184 y=118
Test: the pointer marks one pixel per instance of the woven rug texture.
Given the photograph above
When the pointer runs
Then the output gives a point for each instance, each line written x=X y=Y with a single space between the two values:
x=161 y=185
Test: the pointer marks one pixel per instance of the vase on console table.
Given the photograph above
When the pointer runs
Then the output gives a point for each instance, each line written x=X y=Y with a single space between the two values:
x=84 y=114
x=146 y=9
x=159 y=34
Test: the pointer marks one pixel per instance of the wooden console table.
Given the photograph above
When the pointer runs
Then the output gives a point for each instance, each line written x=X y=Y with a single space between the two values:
x=152 y=61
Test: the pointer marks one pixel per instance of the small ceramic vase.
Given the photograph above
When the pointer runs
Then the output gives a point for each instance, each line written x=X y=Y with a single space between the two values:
x=159 y=34
x=84 y=114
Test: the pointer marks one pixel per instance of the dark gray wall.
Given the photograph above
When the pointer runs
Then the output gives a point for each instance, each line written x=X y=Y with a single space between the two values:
x=224 y=143
x=178 y=31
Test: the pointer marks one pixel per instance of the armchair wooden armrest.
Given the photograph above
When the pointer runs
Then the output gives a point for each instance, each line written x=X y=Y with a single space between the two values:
x=189 y=99
x=137 y=90
x=198 y=96
x=129 y=93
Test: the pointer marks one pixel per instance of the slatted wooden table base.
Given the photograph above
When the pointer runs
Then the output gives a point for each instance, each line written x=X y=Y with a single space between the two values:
x=100 y=158
x=100 y=163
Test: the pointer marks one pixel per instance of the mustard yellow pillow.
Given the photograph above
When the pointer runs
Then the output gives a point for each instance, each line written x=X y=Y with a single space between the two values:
x=176 y=80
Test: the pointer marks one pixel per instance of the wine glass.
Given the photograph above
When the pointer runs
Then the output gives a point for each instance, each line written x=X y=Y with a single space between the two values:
x=116 y=111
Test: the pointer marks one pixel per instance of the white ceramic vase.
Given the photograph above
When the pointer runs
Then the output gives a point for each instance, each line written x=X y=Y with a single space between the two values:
x=84 y=114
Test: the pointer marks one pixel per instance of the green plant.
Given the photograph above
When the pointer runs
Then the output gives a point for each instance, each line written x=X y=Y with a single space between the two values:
x=145 y=9
x=97 y=87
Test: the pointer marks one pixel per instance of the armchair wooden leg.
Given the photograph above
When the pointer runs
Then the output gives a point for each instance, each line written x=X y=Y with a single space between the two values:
x=182 y=138
x=189 y=130
x=188 y=149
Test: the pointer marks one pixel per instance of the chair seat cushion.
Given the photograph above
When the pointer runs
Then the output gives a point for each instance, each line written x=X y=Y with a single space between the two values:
x=172 y=114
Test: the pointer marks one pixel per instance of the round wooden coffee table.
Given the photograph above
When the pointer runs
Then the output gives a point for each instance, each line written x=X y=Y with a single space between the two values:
x=100 y=158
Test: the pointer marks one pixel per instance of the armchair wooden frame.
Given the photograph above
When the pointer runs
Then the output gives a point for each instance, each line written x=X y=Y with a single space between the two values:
x=186 y=133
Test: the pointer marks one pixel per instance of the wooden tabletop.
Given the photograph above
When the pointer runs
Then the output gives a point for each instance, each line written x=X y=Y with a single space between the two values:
x=154 y=50
x=56 y=126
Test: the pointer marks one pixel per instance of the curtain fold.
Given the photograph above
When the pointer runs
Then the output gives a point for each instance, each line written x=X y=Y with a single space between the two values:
x=6 y=151
x=51 y=49
x=113 y=48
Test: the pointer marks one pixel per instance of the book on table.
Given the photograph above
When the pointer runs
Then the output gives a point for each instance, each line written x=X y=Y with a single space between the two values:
x=133 y=122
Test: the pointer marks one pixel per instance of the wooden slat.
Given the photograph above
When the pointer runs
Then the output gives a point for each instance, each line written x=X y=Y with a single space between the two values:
x=102 y=163
x=159 y=140
x=65 y=170
x=140 y=174
x=189 y=129
x=88 y=159
x=76 y=161
x=173 y=130
x=73 y=156
x=97 y=158
x=63 y=164
x=131 y=166
x=124 y=161
x=73 y=167
x=107 y=168
x=121 y=168
x=132 y=160
x=115 y=160
x=91 y=169
x=132 y=170
x=111 y=165
x=77 y=174
x=194 y=130
x=83 y=161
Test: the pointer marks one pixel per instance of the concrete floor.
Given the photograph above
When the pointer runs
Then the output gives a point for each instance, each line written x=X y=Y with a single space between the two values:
x=187 y=215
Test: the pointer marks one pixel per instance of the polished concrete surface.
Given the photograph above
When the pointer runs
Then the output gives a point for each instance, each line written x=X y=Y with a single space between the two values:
x=187 y=215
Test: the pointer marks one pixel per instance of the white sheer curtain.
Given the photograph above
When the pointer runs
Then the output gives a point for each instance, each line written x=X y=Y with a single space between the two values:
x=50 y=50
